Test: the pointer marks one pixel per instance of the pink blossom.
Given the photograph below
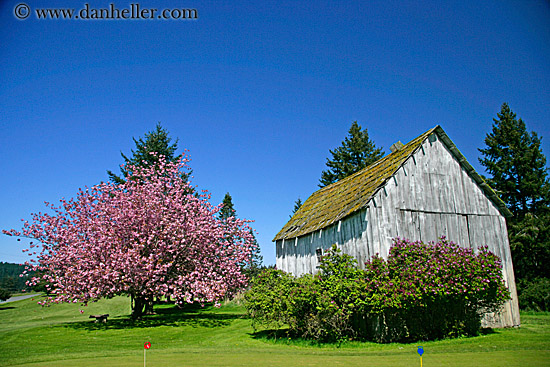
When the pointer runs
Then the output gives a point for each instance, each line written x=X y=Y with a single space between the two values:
x=152 y=236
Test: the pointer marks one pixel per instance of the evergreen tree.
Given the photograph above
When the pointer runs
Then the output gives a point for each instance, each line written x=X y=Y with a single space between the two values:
x=530 y=245
x=9 y=284
x=514 y=159
x=252 y=267
x=517 y=168
x=356 y=152
x=156 y=141
x=255 y=265
x=227 y=210
x=297 y=204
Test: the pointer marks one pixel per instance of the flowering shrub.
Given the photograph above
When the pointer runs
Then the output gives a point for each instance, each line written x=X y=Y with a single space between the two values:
x=422 y=291
x=430 y=291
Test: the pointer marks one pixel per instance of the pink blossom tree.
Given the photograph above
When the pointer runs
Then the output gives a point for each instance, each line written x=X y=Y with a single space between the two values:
x=151 y=236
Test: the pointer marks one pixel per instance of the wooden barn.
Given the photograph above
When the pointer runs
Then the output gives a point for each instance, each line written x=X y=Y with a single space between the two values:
x=421 y=191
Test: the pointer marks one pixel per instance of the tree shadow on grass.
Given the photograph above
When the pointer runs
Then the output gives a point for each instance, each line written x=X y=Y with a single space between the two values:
x=285 y=336
x=487 y=331
x=189 y=315
x=6 y=308
x=270 y=334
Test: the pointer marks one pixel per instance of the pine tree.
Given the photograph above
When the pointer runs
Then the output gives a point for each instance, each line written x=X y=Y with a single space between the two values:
x=517 y=168
x=356 y=152
x=297 y=204
x=227 y=210
x=252 y=267
x=156 y=141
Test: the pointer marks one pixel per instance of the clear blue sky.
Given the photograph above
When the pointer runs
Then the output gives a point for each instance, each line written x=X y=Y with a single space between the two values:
x=257 y=91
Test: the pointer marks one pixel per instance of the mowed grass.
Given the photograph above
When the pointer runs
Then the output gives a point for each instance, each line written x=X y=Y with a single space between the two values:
x=61 y=336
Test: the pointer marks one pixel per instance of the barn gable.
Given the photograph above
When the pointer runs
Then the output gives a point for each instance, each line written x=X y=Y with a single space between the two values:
x=334 y=202
x=424 y=190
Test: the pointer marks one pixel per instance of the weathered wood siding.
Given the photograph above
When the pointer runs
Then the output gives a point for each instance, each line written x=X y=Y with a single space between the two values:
x=430 y=195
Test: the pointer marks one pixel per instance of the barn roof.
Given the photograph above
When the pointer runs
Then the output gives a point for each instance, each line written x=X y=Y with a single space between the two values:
x=334 y=202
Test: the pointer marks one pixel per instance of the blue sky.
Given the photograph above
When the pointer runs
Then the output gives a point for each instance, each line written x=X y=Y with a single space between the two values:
x=257 y=91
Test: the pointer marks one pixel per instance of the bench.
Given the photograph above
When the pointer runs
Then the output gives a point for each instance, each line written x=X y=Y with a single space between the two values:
x=100 y=318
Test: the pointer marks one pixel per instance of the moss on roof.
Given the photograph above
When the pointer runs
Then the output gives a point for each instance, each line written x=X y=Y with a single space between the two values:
x=340 y=199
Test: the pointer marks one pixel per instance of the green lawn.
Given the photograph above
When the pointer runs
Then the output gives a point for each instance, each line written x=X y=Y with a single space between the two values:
x=61 y=336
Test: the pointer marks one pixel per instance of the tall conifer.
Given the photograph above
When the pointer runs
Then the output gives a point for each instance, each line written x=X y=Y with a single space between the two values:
x=253 y=266
x=514 y=159
x=517 y=167
x=227 y=210
x=156 y=141
x=356 y=152
x=297 y=204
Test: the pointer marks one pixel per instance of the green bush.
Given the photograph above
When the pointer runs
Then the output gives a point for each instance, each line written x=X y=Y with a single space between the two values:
x=4 y=294
x=423 y=291
x=328 y=302
x=535 y=295
x=267 y=300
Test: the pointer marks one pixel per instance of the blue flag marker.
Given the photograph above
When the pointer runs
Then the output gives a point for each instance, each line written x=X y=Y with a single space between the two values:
x=420 y=351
